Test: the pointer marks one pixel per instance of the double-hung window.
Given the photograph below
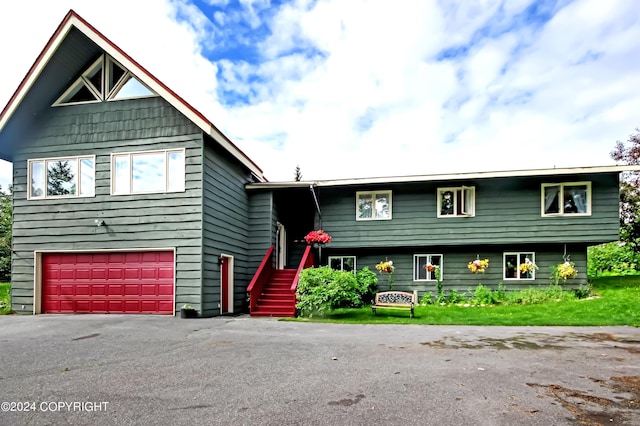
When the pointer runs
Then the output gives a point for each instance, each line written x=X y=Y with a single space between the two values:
x=343 y=263
x=373 y=205
x=456 y=202
x=61 y=177
x=148 y=172
x=424 y=266
x=565 y=199
x=519 y=266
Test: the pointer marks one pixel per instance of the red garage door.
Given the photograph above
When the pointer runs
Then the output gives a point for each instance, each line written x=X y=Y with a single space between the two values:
x=135 y=283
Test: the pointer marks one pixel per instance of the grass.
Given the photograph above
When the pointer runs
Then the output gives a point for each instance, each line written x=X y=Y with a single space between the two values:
x=5 y=298
x=618 y=304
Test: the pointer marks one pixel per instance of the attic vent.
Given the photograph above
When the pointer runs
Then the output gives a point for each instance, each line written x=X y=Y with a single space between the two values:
x=104 y=80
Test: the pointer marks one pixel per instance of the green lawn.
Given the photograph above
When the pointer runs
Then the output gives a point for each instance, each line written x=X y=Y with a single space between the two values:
x=5 y=298
x=618 y=304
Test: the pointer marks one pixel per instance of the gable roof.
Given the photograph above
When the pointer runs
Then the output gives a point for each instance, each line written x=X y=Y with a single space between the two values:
x=69 y=49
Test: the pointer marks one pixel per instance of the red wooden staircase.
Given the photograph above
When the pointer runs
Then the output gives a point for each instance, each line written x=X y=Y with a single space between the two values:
x=277 y=299
x=272 y=292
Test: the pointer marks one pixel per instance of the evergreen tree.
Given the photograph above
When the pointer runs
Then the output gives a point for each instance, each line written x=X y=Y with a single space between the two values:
x=298 y=175
x=58 y=176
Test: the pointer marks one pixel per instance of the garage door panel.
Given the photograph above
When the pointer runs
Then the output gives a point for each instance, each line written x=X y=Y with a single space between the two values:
x=165 y=290
x=108 y=283
x=132 y=290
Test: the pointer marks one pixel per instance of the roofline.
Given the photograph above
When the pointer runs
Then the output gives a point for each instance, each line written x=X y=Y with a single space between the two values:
x=72 y=19
x=449 y=176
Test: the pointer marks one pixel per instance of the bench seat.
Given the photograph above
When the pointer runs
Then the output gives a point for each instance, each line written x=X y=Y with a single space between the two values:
x=400 y=300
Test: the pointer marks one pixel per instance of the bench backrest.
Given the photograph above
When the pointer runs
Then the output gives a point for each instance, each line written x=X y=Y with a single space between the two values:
x=400 y=297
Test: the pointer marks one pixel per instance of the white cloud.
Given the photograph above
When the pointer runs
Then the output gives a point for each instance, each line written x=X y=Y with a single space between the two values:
x=359 y=88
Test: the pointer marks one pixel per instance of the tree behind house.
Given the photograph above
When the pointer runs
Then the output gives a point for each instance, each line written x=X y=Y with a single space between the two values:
x=5 y=235
x=629 y=153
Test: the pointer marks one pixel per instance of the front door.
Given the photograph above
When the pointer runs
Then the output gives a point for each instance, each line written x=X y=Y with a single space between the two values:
x=226 y=284
x=282 y=247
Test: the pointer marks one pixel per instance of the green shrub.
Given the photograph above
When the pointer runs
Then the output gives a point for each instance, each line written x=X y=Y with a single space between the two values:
x=455 y=297
x=500 y=295
x=612 y=259
x=535 y=296
x=367 y=283
x=583 y=291
x=321 y=290
x=481 y=296
x=427 y=298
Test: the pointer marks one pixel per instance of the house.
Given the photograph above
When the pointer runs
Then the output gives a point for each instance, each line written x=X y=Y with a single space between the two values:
x=128 y=200
x=510 y=218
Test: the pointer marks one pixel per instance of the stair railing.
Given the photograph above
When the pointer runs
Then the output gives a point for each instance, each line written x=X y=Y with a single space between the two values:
x=306 y=262
x=260 y=279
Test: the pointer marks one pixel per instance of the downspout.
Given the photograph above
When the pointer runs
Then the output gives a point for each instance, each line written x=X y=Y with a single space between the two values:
x=315 y=199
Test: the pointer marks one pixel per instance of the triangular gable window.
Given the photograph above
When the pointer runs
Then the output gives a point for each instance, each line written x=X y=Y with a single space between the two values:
x=104 y=80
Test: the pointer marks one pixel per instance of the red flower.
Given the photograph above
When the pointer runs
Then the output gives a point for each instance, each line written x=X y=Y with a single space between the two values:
x=319 y=237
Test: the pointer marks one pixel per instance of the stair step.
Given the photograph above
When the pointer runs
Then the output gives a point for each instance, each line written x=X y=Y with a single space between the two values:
x=277 y=299
x=275 y=309
x=281 y=303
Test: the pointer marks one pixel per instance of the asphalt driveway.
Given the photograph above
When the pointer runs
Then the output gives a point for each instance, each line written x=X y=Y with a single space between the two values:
x=116 y=369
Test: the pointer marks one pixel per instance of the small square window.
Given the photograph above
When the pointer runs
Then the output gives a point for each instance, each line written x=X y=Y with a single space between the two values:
x=519 y=266
x=373 y=205
x=343 y=263
x=456 y=202
x=424 y=267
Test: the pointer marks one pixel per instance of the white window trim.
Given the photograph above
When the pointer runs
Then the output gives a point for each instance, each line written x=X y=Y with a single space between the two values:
x=430 y=255
x=471 y=213
x=561 y=199
x=78 y=159
x=104 y=95
x=517 y=253
x=355 y=267
x=166 y=177
x=373 y=193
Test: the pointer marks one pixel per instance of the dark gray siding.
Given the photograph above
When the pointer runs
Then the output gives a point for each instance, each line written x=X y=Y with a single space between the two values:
x=507 y=211
x=456 y=275
x=263 y=219
x=226 y=226
x=171 y=220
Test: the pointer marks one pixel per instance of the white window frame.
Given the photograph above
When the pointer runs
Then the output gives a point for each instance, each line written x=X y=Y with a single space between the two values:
x=468 y=200
x=517 y=266
x=166 y=189
x=373 y=194
x=342 y=258
x=561 y=201
x=103 y=93
x=430 y=276
x=78 y=194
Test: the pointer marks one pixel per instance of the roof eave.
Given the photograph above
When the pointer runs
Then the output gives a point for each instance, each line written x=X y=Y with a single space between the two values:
x=455 y=176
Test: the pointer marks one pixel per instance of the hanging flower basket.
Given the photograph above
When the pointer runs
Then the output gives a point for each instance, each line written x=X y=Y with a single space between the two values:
x=478 y=265
x=318 y=237
x=385 y=266
x=564 y=271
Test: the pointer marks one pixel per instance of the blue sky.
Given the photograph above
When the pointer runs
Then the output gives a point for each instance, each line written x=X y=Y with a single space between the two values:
x=376 y=88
